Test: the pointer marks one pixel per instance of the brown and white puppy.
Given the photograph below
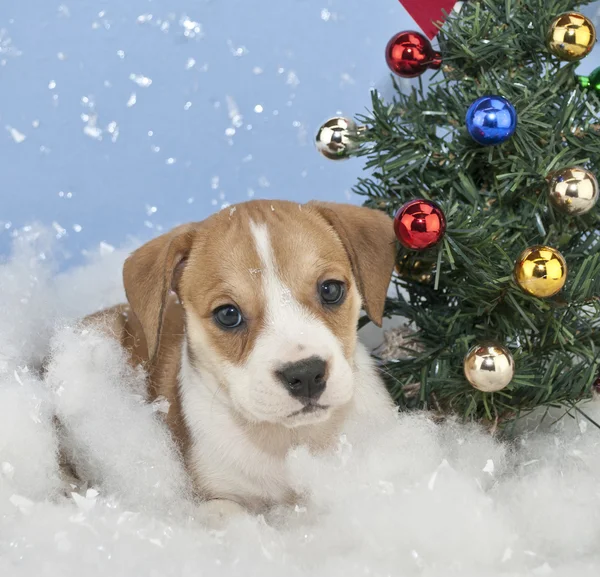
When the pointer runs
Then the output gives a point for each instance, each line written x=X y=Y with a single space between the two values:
x=247 y=323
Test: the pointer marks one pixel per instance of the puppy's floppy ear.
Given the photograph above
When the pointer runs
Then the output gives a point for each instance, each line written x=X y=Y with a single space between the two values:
x=149 y=273
x=369 y=239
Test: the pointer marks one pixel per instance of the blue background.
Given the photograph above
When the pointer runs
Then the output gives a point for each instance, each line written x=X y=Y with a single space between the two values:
x=238 y=90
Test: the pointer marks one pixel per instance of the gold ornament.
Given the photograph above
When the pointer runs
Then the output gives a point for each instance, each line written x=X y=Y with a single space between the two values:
x=571 y=36
x=334 y=139
x=411 y=267
x=573 y=190
x=541 y=271
x=489 y=367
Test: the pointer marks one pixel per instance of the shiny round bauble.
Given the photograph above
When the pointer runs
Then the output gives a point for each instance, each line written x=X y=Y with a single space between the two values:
x=541 y=271
x=419 y=224
x=489 y=367
x=571 y=36
x=409 y=54
x=591 y=82
x=414 y=269
x=573 y=191
x=335 y=138
x=491 y=120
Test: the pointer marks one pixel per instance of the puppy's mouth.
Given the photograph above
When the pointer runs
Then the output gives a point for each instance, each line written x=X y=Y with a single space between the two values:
x=309 y=409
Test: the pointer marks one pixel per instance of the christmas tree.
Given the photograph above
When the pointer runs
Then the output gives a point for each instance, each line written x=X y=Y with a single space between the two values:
x=498 y=268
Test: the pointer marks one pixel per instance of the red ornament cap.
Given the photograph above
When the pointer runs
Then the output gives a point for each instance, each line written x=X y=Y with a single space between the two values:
x=409 y=54
x=419 y=224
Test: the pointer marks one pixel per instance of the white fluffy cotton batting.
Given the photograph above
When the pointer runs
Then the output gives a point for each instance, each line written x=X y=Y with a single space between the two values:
x=406 y=498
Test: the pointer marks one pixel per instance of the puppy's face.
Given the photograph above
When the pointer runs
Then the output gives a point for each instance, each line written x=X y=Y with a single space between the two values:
x=272 y=295
x=272 y=309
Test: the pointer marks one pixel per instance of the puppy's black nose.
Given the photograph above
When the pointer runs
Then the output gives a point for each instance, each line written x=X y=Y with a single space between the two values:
x=305 y=379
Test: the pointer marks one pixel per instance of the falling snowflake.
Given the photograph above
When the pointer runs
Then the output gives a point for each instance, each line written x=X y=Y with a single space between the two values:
x=191 y=28
x=17 y=136
x=141 y=80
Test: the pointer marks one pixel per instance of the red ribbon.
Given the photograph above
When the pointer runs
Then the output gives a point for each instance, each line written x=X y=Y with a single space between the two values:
x=426 y=12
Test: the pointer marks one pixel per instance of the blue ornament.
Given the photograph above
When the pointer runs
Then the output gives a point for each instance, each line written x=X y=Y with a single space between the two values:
x=491 y=120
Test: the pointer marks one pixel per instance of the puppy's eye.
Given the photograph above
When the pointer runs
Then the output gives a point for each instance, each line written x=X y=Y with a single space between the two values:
x=332 y=292
x=228 y=317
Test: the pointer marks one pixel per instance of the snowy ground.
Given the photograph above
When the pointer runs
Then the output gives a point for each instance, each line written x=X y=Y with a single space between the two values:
x=409 y=498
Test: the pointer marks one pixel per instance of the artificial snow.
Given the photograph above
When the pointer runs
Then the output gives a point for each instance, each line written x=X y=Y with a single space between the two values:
x=406 y=497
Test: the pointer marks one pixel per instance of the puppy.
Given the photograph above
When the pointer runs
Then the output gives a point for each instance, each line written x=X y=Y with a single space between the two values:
x=247 y=324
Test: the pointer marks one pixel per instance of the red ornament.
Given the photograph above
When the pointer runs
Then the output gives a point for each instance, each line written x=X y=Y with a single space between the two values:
x=419 y=224
x=409 y=54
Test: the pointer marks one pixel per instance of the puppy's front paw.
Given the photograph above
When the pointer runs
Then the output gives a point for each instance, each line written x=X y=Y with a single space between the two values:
x=217 y=513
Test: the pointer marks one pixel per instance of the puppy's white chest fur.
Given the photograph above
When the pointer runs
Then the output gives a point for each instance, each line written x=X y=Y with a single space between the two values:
x=232 y=459
x=225 y=460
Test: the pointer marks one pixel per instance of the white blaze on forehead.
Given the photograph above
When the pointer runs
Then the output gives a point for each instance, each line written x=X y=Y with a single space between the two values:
x=263 y=245
x=278 y=296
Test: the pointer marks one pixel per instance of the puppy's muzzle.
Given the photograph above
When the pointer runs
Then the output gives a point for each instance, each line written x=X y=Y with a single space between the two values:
x=305 y=380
